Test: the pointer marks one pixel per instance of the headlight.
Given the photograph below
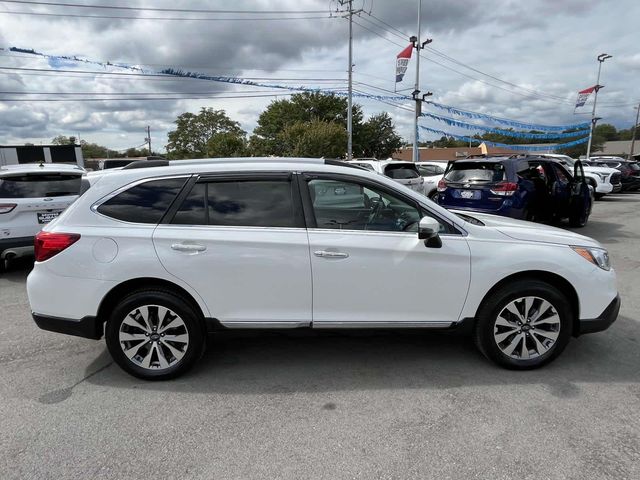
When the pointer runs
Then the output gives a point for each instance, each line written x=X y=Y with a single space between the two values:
x=603 y=176
x=597 y=256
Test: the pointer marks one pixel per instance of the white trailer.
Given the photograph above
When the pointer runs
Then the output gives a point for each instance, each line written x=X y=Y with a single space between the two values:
x=20 y=154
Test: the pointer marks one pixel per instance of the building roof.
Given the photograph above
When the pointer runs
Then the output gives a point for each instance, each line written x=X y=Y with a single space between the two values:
x=619 y=147
x=449 y=153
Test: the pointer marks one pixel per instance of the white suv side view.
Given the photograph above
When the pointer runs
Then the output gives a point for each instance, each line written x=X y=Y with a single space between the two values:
x=156 y=258
x=31 y=195
x=405 y=173
x=432 y=172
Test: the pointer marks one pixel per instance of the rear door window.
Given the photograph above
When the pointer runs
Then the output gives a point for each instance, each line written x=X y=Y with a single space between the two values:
x=39 y=186
x=401 y=172
x=143 y=203
x=475 y=172
x=241 y=203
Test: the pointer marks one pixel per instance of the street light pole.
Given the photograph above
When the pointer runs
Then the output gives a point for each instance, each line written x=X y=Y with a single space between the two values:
x=633 y=135
x=601 y=58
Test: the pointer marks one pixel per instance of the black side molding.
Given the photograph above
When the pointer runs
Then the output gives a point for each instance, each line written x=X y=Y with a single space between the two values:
x=87 y=327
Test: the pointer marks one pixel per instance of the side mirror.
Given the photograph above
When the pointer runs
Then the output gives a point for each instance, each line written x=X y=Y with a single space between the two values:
x=428 y=231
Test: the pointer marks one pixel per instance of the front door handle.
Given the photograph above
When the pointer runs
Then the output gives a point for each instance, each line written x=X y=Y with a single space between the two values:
x=188 y=247
x=326 y=254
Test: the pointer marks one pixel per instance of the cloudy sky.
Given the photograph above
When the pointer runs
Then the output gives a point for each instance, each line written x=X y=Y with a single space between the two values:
x=523 y=60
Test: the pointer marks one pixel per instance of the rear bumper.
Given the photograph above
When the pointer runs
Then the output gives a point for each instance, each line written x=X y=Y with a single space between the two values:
x=87 y=327
x=8 y=243
x=603 y=321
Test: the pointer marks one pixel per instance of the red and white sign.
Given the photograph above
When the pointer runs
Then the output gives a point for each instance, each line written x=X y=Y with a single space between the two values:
x=583 y=96
x=402 y=62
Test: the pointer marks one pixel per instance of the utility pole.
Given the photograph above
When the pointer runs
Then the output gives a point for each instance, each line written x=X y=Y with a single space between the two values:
x=350 y=13
x=149 y=139
x=601 y=58
x=416 y=91
x=633 y=134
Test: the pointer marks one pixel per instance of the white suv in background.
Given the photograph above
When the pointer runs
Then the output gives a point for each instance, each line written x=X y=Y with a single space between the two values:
x=405 y=173
x=154 y=258
x=432 y=172
x=31 y=195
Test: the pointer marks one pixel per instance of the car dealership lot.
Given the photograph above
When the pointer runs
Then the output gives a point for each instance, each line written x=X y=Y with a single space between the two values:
x=329 y=405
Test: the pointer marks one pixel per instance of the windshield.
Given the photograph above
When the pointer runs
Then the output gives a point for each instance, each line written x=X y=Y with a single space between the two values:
x=475 y=172
x=635 y=166
x=38 y=186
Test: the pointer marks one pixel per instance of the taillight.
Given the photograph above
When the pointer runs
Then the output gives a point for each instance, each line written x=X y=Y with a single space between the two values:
x=49 y=244
x=6 y=207
x=504 y=189
x=442 y=185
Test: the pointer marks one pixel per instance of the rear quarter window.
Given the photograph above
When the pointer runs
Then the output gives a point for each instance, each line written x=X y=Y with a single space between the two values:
x=143 y=203
x=401 y=172
x=39 y=186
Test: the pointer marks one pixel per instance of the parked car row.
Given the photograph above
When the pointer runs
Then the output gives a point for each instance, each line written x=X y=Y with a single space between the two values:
x=154 y=258
x=629 y=170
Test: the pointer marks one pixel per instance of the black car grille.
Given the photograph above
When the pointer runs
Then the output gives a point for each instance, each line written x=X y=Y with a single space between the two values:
x=615 y=178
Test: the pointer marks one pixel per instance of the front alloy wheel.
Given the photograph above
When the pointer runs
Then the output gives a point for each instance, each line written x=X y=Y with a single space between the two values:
x=526 y=328
x=524 y=324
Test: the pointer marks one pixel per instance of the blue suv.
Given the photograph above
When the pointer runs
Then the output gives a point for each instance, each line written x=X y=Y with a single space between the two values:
x=525 y=187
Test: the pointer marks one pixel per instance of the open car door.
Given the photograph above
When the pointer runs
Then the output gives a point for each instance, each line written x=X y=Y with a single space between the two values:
x=581 y=197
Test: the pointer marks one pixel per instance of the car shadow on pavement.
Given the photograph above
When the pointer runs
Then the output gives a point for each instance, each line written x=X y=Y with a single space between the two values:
x=287 y=363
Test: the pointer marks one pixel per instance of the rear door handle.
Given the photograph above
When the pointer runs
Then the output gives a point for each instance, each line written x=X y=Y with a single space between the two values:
x=326 y=254
x=188 y=247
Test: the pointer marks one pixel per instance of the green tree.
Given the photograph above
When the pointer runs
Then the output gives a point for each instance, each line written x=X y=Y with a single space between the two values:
x=62 y=140
x=316 y=138
x=135 y=152
x=193 y=132
x=606 y=131
x=227 y=144
x=379 y=138
x=302 y=107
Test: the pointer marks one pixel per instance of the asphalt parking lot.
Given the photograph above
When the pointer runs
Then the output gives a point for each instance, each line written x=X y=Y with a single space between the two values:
x=357 y=405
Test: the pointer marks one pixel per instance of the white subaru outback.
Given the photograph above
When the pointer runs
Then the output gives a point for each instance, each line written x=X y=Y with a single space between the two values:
x=31 y=195
x=155 y=258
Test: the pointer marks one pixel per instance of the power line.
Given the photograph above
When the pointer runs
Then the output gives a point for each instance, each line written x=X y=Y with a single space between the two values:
x=123 y=17
x=541 y=95
x=154 y=9
x=98 y=72
x=135 y=93
x=140 y=98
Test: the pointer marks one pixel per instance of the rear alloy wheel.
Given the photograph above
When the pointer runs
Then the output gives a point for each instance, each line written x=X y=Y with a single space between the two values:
x=524 y=325
x=434 y=196
x=154 y=335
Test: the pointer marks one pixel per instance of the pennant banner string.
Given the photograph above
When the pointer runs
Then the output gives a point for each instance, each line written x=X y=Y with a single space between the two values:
x=504 y=121
x=527 y=148
x=55 y=60
x=508 y=133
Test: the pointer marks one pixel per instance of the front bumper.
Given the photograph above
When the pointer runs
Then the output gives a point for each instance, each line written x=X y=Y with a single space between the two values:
x=603 y=321
x=87 y=327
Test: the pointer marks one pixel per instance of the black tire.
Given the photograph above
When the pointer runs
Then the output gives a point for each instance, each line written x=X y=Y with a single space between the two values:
x=598 y=196
x=579 y=220
x=493 y=306
x=191 y=323
x=434 y=196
